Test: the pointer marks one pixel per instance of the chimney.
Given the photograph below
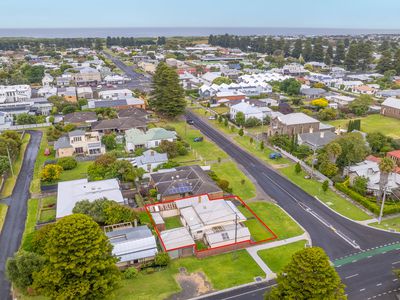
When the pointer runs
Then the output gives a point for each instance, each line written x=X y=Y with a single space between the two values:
x=199 y=199
x=321 y=134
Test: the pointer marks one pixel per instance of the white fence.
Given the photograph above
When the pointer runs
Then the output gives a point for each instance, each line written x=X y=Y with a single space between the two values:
x=306 y=167
x=27 y=126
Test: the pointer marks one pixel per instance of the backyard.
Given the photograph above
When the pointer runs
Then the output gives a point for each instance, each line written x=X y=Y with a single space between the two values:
x=277 y=258
x=374 y=123
x=172 y=222
x=77 y=173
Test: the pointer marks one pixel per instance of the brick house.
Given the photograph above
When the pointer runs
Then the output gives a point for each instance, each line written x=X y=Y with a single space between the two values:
x=293 y=124
x=391 y=108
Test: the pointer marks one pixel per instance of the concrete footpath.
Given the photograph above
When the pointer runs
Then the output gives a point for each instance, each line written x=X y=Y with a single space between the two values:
x=253 y=252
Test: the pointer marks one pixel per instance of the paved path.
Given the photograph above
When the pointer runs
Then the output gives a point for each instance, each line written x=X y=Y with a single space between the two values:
x=14 y=225
x=253 y=252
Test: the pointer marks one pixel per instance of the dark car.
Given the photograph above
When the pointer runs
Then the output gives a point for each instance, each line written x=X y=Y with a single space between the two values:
x=198 y=139
x=190 y=121
x=275 y=155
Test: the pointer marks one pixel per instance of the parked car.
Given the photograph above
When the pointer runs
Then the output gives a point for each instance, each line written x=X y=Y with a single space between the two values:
x=211 y=118
x=275 y=155
x=190 y=121
x=198 y=139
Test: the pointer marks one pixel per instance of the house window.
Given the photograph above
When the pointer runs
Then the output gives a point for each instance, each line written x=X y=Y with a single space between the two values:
x=79 y=150
x=77 y=138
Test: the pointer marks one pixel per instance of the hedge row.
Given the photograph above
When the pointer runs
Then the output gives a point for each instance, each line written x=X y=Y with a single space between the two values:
x=366 y=202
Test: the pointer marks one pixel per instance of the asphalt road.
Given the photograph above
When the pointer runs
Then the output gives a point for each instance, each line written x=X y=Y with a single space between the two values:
x=14 y=225
x=138 y=80
x=337 y=235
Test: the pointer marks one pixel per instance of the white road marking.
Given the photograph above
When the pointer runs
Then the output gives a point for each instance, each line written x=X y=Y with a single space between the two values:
x=379 y=284
x=249 y=292
x=351 y=276
x=395 y=279
x=362 y=290
x=396 y=262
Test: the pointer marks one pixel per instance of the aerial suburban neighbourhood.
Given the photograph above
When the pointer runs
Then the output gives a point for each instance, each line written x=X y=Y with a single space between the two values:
x=189 y=162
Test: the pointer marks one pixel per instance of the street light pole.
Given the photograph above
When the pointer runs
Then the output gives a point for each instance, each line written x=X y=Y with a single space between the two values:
x=9 y=160
x=382 y=205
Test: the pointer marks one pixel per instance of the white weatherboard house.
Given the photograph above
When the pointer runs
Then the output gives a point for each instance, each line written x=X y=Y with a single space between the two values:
x=135 y=138
x=249 y=111
x=73 y=191
x=150 y=160
x=133 y=245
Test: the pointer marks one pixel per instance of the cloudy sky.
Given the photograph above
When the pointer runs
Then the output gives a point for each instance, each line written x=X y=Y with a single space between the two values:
x=371 y=14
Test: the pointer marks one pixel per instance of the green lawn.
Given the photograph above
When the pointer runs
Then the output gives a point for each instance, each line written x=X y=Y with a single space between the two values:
x=30 y=223
x=77 y=173
x=257 y=229
x=229 y=171
x=17 y=164
x=223 y=271
x=40 y=159
x=276 y=219
x=155 y=286
x=374 y=123
x=392 y=224
x=3 y=214
x=48 y=209
x=221 y=109
x=277 y=258
x=172 y=222
x=333 y=200
x=254 y=148
x=206 y=149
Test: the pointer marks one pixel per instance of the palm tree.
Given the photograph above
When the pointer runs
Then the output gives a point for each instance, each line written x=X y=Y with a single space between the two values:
x=386 y=166
x=333 y=150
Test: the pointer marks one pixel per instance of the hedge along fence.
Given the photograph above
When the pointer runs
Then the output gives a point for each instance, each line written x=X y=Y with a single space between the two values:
x=368 y=203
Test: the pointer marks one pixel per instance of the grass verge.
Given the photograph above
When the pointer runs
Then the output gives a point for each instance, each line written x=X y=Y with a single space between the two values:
x=330 y=198
x=388 y=224
x=17 y=165
x=3 y=214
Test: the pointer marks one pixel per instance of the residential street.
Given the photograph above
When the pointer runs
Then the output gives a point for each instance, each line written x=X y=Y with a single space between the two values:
x=337 y=235
x=10 y=237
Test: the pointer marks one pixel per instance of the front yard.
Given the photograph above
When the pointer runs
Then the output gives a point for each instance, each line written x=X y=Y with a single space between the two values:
x=276 y=219
x=277 y=258
x=374 y=123
x=222 y=271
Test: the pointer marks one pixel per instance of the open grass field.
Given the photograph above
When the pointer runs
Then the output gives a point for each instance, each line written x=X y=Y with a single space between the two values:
x=17 y=164
x=333 y=200
x=374 y=123
x=277 y=258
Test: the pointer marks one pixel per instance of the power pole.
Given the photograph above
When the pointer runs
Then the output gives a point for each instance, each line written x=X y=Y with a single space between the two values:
x=9 y=161
x=382 y=205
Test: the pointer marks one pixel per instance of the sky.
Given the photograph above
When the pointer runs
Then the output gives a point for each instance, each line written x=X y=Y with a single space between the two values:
x=370 y=14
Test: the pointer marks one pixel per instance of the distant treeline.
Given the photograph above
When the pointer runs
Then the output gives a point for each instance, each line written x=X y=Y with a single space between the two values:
x=130 y=41
x=355 y=53
x=20 y=43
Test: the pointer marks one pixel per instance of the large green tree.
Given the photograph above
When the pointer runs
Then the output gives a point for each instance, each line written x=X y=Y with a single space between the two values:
x=79 y=263
x=361 y=104
x=339 y=53
x=309 y=275
x=354 y=149
x=167 y=97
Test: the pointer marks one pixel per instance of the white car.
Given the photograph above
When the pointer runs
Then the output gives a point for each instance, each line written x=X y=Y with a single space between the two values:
x=211 y=118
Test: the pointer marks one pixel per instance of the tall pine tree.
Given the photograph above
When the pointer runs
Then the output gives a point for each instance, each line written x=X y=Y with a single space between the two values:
x=339 y=53
x=167 y=97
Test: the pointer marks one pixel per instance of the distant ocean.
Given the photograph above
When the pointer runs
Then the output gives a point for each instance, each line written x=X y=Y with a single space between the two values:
x=181 y=31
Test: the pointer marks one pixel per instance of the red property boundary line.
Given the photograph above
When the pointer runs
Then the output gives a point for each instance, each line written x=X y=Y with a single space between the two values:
x=233 y=197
